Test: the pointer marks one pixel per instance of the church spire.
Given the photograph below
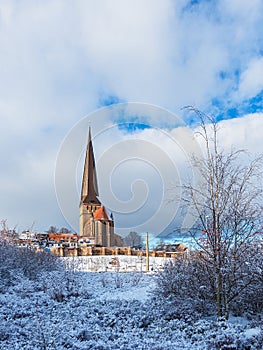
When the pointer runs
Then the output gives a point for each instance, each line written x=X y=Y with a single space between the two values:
x=89 y=191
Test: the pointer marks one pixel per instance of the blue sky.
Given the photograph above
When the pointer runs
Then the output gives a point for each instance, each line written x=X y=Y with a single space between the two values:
x=61 y=61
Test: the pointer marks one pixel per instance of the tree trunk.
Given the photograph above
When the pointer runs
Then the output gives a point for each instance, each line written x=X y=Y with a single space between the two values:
x=219 y=292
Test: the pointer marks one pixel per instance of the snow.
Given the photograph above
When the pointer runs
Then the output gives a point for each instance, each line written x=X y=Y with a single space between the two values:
x=111 y=263
x=75 y=309
x=251 y=332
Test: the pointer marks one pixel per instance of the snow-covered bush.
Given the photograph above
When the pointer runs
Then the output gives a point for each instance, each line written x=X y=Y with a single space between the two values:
x=188 y=281
x=192 y=277
x=64 y=284
x=55 y=306
x=110 y=318
x=186 y=276
x=28 y=261
x=223 y=336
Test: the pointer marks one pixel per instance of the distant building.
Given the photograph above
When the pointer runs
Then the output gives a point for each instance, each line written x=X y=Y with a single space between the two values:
x=95 y=224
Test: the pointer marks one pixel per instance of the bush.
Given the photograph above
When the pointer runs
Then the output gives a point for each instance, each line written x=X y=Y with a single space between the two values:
x=186 y=276
x=192 y=278
x=30 y=263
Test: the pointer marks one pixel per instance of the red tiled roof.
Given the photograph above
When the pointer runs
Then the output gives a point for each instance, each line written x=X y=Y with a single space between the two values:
x=62 y=236
x=101 y=214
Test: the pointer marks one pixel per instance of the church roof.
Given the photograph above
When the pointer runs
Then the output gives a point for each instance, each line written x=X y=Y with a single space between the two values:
x=101 y=214
x=89 y=191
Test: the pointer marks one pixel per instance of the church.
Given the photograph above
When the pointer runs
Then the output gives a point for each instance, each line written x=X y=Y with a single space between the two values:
x=95 y=224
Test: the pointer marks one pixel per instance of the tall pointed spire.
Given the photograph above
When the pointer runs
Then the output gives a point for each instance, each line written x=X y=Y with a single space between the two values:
x=94 y=223
x=89 y=191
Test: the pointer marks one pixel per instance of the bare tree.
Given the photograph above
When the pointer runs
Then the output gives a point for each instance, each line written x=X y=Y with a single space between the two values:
x=64 y=230
x=7 y=233
x=227 y=204
x=133 y=239
x=52 y=229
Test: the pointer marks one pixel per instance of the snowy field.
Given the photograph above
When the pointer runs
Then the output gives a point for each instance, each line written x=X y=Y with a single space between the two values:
x=109 y=310
x=113 y=263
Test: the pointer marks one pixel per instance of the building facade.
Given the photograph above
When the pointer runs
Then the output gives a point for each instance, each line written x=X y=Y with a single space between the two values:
x=95 y=224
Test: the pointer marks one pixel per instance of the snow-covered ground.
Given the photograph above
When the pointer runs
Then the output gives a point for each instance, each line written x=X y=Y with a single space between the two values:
x=113 y=263
x=109 y=310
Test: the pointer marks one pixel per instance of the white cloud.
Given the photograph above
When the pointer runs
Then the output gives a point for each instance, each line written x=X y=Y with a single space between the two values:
x=57 y=58
x=251 y=82
x=243 y=133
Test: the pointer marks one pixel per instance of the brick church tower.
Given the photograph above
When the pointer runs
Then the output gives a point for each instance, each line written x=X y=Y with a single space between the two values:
x=95 y=224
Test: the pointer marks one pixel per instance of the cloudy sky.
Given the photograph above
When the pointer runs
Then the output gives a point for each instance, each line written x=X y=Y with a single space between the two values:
x=62 y=61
